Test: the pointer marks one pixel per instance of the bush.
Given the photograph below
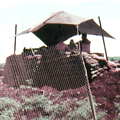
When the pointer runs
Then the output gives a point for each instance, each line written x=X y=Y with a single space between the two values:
x=8 y=108
x=30 y=103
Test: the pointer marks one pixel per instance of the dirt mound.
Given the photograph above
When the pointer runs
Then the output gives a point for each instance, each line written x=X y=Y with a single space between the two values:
x=106 y=89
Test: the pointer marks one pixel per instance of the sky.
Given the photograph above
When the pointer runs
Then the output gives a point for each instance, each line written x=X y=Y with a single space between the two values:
x=27 y=13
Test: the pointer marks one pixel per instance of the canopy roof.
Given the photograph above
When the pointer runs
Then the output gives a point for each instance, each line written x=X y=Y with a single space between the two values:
x=66 y=24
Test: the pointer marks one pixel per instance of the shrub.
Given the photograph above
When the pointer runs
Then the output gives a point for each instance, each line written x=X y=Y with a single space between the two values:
x=117 y=105
x=8 y=108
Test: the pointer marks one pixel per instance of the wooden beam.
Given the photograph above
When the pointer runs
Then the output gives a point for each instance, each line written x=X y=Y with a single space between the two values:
x=15 y=39
x=103 y=38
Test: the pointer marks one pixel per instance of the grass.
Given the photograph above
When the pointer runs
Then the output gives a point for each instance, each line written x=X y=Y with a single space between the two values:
x=8 y=108
x=33 y=103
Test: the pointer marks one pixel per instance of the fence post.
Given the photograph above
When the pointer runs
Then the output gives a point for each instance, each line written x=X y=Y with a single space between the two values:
x=15 y=39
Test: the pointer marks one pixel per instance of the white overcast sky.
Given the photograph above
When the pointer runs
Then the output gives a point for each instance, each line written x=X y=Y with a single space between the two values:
x=26 y=13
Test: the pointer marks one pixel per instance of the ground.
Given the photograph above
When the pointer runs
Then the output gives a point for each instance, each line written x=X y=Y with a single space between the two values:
x=106 y=90
x=24 y=103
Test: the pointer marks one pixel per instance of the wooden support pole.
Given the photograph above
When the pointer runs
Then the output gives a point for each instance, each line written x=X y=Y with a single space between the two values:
x=79 y=41
x=15 y=39
x=103 y=38
x=87 y=85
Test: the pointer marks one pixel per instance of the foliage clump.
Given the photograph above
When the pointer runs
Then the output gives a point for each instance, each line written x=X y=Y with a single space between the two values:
x=31 y=103
x=8 y=108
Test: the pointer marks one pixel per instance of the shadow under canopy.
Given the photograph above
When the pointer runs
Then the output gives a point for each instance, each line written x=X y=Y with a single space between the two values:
x=65 y=24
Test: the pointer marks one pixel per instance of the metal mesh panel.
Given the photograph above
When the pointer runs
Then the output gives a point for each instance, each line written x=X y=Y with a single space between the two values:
x=57 y=84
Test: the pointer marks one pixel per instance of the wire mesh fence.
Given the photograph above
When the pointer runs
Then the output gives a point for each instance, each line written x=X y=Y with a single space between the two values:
x=45 y=83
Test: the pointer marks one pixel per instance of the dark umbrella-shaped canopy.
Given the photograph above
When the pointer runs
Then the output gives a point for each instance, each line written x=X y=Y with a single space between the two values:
x=65 y=24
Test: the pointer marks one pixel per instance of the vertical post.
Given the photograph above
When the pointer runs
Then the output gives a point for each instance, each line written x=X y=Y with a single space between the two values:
x=103 y=38
x=87 y=85
x=15 y=39
x=79 y=41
